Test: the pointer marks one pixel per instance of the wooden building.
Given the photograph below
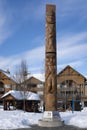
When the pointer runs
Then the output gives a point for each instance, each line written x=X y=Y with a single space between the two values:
x=6 y=82
x=71 y=85
x=16 y=99
x=31 y=84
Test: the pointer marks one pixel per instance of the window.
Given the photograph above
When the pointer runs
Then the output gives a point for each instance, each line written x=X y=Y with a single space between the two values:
x=8 y=86
x=2 y=88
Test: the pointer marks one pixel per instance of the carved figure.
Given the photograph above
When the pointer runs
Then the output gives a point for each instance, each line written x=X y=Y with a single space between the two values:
x=50 y=33
x=50 y=76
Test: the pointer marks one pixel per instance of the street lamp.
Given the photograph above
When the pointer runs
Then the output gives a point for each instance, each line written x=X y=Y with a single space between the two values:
x=73 y=103
x=65 y=86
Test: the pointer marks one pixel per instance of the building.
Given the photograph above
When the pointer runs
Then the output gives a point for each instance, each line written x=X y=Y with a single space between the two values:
x=71 y=87
x=36 y=85
x=31 y=84
x=6 y=82
x=21 y=100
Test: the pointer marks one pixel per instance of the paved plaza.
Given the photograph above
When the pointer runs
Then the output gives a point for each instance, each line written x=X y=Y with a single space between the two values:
x=65 y=127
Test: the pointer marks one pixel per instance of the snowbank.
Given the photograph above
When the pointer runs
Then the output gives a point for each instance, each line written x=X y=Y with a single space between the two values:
x=19 y=119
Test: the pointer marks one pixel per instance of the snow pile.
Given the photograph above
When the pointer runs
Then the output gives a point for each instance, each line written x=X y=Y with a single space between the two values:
x=84 y=109
x=78 y=119
x=19 y=119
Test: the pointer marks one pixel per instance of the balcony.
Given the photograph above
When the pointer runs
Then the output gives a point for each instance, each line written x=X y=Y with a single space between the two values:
x=1 y=89
x=67 y=93
x=72 y=90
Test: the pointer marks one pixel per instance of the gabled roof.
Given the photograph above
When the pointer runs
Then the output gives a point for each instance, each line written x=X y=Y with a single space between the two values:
x=19 y=95
x=69 y=67
x=33 y=80
x=7 y=74
x=40 y=76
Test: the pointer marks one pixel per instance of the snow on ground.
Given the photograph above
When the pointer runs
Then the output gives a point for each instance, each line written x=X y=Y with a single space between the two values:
x=78 y=119
x=19 y=119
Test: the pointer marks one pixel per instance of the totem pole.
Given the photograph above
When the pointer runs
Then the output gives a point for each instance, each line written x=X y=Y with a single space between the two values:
x=50 y=60
x=51 y=117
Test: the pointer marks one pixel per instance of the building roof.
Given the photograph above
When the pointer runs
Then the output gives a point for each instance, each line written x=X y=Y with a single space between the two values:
x=7 y=74
x=40 y=76
x=69 y=67
x=19 y=95
x=33 y=80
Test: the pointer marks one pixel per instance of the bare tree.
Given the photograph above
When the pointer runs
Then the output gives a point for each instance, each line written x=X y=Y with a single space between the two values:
x=21 y=77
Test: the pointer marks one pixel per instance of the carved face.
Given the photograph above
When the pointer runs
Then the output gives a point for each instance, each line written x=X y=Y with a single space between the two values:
x=50 y=60
x=50 y=19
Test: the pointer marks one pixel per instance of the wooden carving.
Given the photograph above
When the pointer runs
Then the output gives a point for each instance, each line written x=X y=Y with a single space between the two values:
x=50 y=60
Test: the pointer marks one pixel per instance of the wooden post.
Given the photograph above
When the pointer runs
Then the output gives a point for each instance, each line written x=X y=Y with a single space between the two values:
x=5 y=105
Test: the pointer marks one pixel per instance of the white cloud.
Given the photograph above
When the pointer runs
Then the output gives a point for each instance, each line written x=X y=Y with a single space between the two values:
x=5 y=22
x=72 y=53
x=67 y=40
x=72 y=47
x=74 y=64
x=35 y=54
x=33 y=57
x=3 y=29
x=72 y=50
x=12 y=18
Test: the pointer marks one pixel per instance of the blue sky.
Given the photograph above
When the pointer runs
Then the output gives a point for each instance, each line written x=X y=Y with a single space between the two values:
x=22 y=34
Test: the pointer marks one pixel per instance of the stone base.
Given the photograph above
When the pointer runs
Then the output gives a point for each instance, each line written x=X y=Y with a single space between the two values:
x=51 y=119
x=55 y=123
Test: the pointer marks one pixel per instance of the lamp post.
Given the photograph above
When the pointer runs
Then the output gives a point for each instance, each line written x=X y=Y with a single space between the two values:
x=65 y=87
x=73 y=105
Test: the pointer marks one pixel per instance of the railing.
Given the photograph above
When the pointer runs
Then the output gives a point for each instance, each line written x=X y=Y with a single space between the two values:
x=68 y=89
x=66 y=94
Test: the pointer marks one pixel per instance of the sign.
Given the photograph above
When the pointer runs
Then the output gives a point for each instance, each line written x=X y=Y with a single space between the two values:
x=48 y=115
